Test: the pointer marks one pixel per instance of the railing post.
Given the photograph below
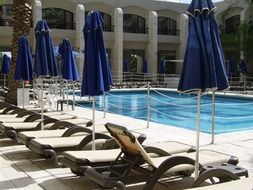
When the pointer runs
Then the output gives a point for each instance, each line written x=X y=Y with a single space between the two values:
x=148 y=105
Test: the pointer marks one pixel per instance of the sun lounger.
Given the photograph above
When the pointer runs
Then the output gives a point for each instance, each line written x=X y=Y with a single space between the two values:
x=57 y=130
x=25 y=116
x=243 y=184
x=134 y=163
x=11 y=129
x=78 y=160
x=53 y=147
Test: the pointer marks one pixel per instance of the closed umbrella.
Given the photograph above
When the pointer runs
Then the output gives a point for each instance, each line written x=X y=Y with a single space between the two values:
x=23 y=70
x=125 y=66
x=44 y=60
x=203 y=66
x=96 y=74
x=145 y=66
x=69 y=69
x=5 y=67
x=161 y=67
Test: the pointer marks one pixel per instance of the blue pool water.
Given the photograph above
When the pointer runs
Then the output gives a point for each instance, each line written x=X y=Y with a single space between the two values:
x=232 y=114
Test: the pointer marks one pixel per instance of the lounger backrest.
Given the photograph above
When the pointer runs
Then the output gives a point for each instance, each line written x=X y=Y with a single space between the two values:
x=127 y=141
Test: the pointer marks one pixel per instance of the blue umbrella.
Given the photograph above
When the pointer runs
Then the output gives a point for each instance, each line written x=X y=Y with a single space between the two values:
x=145 y=66
x=96 y=74
x=56 y=52
x=203 y=66
x=125 y=66
x=243 y=67
x=23 y=70
x=5 y=67
x=161 y=67
x=44 y=60
x=69 y=69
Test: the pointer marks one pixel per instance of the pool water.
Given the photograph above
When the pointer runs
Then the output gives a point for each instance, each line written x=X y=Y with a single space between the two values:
x=171 y=108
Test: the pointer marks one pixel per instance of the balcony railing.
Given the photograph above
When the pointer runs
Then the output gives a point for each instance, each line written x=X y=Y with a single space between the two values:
x=169 y=32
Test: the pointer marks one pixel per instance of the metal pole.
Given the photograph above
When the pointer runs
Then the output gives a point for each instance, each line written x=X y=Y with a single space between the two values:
x=23 y=84
x=244 y=83
x=42 y=105
x=148 y=105
x=93 y=123
x=67 y=96
x=197 y=139
x=4 y=80
x=213 y=114
x=74 y=97
x=104 y=103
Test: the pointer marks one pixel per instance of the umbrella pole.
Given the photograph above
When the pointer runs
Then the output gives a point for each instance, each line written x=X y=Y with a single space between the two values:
x=197 y=138
x=67 y=96
x=4 y=80
x=23 y=85
x=104 y=103
x=42 y=106
x=93 y=123
x=148 y=105
x=74 y=98
x=213 y=115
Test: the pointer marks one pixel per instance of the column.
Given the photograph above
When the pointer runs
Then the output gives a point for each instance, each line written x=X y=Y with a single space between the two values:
x=151 y=52
x=80 y=17
x=117 y=50
x=37 y=15
x=183 y=29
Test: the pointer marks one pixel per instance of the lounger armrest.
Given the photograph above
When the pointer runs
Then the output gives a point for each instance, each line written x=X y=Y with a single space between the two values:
x=25 y=113
x=155 y=150
x=34 y=117
x=88 y=139
x=46 y=121
x=103 y=181
x=61 y=124
x=76 y=129
x=10 y=109
x=221 y=174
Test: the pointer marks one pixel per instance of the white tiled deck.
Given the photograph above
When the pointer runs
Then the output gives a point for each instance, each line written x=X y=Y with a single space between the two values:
x=22 y=169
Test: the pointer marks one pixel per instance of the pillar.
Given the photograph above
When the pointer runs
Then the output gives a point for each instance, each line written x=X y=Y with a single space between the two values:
x=151 y=52
x=80 y=17
x=117 y=50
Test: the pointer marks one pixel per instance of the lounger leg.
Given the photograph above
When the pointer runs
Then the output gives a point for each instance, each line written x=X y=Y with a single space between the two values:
x=165 y=166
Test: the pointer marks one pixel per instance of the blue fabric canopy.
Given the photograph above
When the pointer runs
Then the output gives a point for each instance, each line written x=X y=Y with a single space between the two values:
x=243 y=67
x=23 y=69
x=96 y=74
x=203 y=66
x=69 y=69
x=161 y=67
x=56 y=52
x=44 y=61
x=125 y=66
x=145 y=66
x=6 y=65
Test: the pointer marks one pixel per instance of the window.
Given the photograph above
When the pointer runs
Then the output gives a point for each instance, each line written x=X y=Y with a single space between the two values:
x=167 y=26
x=134 y=24
x=232 y=24
x=6 y=15
x=58 y=18
x=107 y=21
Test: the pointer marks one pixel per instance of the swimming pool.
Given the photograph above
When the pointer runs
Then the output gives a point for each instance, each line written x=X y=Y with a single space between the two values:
x=171 y=108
